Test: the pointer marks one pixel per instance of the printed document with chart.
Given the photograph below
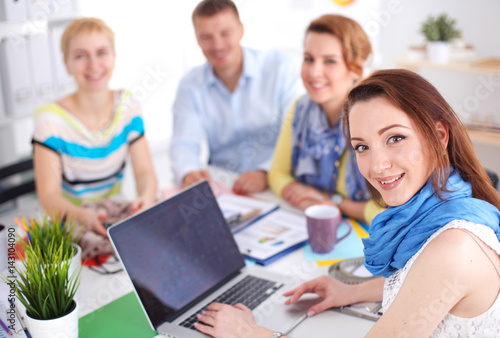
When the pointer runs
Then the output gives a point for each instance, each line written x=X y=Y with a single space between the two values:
x=272 y=236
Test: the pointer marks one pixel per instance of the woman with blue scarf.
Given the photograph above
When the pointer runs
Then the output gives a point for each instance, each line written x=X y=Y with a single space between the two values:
x=312 y=162
x=436 y=247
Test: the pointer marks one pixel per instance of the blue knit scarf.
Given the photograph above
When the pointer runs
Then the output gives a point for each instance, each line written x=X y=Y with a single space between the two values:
x=317 y=147
x=399 y=232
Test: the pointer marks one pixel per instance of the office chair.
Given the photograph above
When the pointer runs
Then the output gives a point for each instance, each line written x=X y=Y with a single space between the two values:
x=12 y=187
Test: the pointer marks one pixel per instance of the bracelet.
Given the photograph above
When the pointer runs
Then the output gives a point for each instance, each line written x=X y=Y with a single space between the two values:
x=277 y=335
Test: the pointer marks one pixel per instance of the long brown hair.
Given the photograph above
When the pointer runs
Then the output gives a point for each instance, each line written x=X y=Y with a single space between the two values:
x=425 y=106
x=356 y=46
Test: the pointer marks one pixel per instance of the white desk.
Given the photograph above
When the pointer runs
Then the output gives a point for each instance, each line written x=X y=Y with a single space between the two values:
x=97 y=290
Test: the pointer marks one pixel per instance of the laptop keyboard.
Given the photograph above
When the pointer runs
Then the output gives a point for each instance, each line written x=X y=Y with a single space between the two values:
x=250 y=291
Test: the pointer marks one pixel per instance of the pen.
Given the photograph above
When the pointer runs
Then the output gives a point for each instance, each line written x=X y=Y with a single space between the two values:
x=233 y=219
x=5 y=327
x=240 y=218
x=300 y=320
x=249 y=215
x=376 y=309
x=28 y=335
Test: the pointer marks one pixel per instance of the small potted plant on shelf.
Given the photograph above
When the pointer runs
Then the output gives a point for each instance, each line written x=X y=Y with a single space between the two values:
x=439 y=32
x=47 y=280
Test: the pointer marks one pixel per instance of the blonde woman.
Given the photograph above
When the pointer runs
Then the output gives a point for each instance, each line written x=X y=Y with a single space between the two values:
x=82 y=141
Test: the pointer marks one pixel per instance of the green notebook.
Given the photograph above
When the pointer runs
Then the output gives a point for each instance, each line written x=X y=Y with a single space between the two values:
x=121 y=318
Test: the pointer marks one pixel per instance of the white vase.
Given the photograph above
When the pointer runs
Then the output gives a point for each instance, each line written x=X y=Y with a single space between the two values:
x=62 y=327
x=76 y=263
x=438 y=51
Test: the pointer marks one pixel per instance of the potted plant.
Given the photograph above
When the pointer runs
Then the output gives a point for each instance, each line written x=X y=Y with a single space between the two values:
x=47 y=290
x=55 y=229
x=439 y=31
x=47 y=280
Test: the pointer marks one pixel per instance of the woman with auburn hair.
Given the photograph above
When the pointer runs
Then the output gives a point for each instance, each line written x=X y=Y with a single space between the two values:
x=436 y=247
x=82 y=141
x=312 y=162
x=426 y=109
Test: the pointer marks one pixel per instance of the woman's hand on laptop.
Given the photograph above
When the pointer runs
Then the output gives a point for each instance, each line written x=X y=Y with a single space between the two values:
x=226 y=321
x=333 y=292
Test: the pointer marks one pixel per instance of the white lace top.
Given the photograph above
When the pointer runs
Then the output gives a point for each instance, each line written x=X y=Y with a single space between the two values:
x=486 y=324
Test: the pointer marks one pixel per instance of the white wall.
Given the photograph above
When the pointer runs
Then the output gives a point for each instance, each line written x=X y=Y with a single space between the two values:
x=150 y=40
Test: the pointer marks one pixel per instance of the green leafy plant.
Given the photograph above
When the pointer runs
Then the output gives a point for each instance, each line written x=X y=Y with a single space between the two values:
x=42 y=281
x=44 y=287
x=440 y=28
x=47 y=230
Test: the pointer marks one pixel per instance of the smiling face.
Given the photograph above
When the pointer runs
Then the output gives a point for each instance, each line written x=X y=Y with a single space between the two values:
x=391 y=153
x=219 y=37
x=91 y=60
x=324 y=71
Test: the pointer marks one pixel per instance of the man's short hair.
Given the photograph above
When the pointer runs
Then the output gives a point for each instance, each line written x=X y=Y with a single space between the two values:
x=210 y=8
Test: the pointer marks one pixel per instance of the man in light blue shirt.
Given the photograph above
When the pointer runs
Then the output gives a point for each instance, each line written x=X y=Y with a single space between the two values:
x=235 y=101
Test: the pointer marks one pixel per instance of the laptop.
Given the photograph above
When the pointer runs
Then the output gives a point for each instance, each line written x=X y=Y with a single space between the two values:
x=181 y=256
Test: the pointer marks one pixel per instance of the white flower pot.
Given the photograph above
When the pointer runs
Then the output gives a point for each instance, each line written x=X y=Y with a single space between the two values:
x=75 y=264
x=438 y=51
x=62 y=327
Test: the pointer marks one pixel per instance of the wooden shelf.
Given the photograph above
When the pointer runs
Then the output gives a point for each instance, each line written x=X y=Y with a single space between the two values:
x=484 y=137
x=472 y=65
x=475 y=65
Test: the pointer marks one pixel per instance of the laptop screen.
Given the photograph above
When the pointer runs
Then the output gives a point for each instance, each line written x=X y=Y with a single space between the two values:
x=176 y=251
